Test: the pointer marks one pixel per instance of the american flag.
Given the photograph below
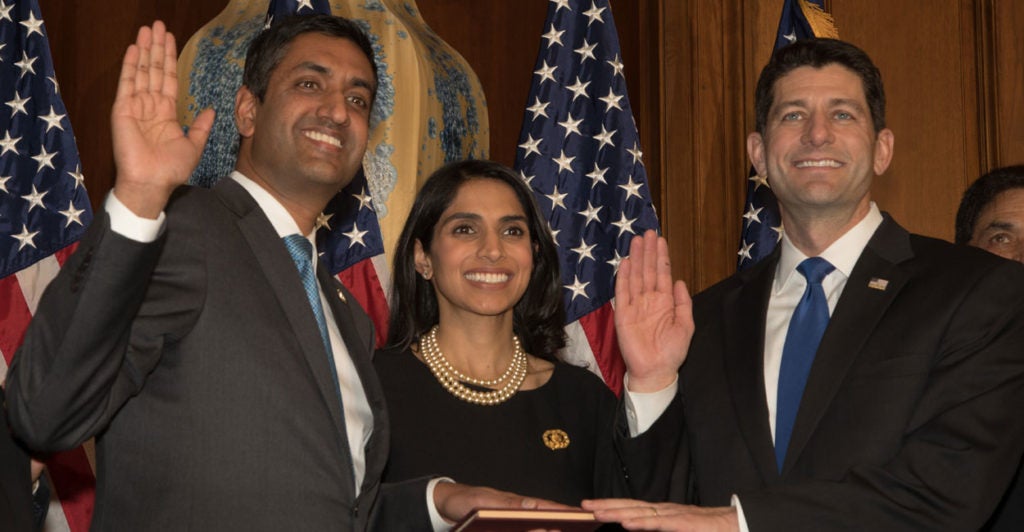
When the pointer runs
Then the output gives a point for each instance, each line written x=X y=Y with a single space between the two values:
x=349 y=238
x=580 y=152
x=762 y=223
x=44 y=209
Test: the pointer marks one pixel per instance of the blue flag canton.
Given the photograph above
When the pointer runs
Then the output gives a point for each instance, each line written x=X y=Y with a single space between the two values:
x=43 y=202
x=762 y=222
x=348 y=230
x=580 y=152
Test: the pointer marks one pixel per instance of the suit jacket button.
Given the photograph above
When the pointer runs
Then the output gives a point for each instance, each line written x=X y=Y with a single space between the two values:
x=355 y=511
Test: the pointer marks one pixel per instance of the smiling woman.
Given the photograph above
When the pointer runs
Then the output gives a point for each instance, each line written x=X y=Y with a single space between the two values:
x=471 y=376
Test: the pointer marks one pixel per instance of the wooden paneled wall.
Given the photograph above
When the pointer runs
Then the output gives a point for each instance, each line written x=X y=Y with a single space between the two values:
x=953 y=69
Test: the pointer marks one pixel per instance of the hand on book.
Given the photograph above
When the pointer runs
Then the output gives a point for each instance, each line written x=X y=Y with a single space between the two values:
x=641 y=515
x=455 y=501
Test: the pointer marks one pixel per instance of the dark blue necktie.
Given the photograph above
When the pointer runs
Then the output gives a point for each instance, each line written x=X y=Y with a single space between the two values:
x=805 y=331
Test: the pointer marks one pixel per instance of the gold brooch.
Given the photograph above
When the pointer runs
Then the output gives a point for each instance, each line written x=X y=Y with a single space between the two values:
x=556 y=439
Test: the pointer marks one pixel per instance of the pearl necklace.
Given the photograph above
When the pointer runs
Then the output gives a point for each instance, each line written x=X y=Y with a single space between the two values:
x=452 y=379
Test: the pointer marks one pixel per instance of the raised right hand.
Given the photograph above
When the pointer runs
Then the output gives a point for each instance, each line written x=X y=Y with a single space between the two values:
x=152 y=153
x=653 y=315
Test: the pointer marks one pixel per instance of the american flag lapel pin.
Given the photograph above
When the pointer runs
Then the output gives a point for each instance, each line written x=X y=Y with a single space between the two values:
x=878 y=284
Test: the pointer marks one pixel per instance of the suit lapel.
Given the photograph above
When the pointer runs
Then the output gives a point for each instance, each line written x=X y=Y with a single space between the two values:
x=874 y=283
x=743 y=314
x=358 y=342
x=283 y=279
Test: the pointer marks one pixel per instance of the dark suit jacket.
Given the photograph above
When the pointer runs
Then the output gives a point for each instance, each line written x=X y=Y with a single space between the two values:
x=198 y=365
x=911 y=415
x=15 y=482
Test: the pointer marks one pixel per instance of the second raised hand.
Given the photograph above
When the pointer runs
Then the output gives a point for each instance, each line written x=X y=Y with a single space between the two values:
x=653 y=315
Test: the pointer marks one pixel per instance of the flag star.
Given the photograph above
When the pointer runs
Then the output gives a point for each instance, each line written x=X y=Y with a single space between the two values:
x=35 y=199
x=560 y=4
x=8 y=144
x=557 y=199
x=18 y=104
x=77 y=176
x=538 y=108
x=25 y=238
x=615 y=261
x=564 y=162
x=594 y=14
x=356 y=236
x=779 y=229
x=612 y=100
x=2 y=45
x=52 y=120
x=302 y=4
x=578 y=289
x=72 y=214
x=33 y=24
x=323 y=220
x=598 y=174
x=744 y=251
x=531 y=145
x=570 y=125
x=578 y=89
x=759 y=181
x=632 y=188
x=43 y=159
x=604 y=138
x=5 y=11
x=365 y=200
x=553 y=37
x=625 y=225
x=586 y=51
x=554 y=234
x=546 y=72
x=26 y=64
x=3 y=184
x=751 y=216
x=591 y=213
x=585 y=251
x=791 y=36
x=56 y=86
x=528 y=179
x=636 y=153
x=617 y=66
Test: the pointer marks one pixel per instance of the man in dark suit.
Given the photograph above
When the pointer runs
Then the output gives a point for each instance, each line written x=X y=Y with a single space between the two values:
x=904 y=354
x=226 y=387
x=991 y=217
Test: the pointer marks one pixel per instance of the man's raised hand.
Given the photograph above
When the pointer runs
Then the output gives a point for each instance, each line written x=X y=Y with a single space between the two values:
x=152 y=153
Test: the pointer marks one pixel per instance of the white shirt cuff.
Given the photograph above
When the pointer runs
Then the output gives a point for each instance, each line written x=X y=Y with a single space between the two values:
x=643 y=409
x=129 y=225
x=735 y=503
x=438 y=523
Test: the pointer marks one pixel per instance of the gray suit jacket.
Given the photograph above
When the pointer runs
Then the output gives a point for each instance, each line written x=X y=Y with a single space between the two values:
x=910 y=418
x=197 y=364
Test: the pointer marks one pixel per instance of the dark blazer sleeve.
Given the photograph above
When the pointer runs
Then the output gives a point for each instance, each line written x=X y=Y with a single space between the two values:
x=963 y=439
x=656 y=463
x=84 y=354
x=402 y=506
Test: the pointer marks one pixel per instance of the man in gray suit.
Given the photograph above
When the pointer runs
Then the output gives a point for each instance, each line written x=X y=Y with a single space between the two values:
x=859 y=378
x=226 y=388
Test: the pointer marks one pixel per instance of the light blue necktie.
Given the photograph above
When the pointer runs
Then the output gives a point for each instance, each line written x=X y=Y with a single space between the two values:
x=302 y=253
x=810 y=318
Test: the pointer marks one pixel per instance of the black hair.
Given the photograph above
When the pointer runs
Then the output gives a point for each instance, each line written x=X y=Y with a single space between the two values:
x=978 y=196
x=818 y=53
x=270 y=46
x=538 y=317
